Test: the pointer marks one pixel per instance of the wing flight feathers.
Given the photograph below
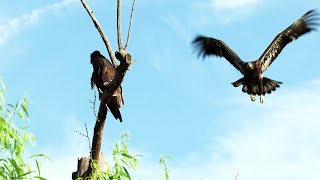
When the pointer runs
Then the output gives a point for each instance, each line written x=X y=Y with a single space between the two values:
x=303 y=25
x=210 y=46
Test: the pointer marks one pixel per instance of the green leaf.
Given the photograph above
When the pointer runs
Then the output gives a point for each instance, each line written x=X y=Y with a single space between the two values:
x=21 y=114
x=126 y=171
x=166 y=169
x=167 y=174
x=2 y=98
x=24 y=106
x=127 y=155
x=123 y=174
x=25 y=174
x=16 y=107
x=39 y=177
x=2 y=175
x=38 y=167
x=24 y=127
x=41 y=155
x=125 y=162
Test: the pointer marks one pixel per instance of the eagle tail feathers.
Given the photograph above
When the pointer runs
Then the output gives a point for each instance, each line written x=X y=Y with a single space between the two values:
x=252 y=87
x=114 y=108
x=238 y=82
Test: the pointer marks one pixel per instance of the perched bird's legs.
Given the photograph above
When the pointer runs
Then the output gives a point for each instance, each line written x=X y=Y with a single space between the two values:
x=261 y=89
x=252 y=97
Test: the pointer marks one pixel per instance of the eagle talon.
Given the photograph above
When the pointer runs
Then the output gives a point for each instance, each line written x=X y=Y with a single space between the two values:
x=252 y=97
x=261 y=99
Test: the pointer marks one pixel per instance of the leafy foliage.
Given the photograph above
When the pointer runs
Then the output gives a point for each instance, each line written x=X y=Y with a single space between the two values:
x=165 y=167
x=14 y=141
x=123 y=162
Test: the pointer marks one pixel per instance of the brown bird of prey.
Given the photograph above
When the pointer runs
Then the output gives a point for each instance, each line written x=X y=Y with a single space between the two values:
x=253 y=82
x=103 y=73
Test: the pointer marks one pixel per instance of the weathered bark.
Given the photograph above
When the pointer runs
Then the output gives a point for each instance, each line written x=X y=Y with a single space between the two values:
x=83 y=165
x=82 y=169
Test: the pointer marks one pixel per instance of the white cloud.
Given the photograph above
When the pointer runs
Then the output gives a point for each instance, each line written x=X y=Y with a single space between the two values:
x=15 y=25
x=234 y=4
x=64 y=158
x=278 y=140
x=178 y=27
x=228 y=10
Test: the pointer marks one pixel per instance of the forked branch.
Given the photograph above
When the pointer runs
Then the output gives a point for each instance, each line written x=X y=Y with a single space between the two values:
x=103 y=36
x=87 y=135
x=110 y=88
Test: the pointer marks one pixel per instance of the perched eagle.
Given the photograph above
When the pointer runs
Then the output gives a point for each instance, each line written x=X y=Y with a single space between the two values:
x=253 y=82
x=103 y=73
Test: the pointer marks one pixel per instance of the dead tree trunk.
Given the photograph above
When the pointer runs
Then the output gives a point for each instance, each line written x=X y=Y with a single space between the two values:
x=85 y=164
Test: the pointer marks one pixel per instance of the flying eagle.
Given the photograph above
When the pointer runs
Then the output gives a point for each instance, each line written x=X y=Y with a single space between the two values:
x=253 y=82
x=103 y=73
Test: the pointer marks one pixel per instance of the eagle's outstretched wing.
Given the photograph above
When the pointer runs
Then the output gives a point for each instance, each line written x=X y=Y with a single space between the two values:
x=210 y=46
x=302 y=26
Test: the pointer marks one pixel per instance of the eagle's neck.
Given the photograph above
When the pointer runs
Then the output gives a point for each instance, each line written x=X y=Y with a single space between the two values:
x=250 y=68
x=251 y=65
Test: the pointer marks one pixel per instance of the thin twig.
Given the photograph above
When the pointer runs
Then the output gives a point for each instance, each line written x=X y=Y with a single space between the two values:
x=80 y=133
x=119 y=24
x=87 y=136
x=131 y=16
x=94 y=102
x=236 y=177
x=103 y=36
x=85 y=124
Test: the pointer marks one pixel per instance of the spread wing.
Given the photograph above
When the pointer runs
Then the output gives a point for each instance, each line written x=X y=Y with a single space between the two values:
x=210 y=46
x=302 y=26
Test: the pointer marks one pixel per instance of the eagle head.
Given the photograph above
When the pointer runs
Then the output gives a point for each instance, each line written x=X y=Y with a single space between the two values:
x=94 y=55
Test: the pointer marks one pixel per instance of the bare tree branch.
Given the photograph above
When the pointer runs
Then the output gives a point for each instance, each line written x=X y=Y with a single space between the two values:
x=103 y=36
x=80 y=133
x=87 y=136
x=236 y=177
x=131 y=16
x=119 y=24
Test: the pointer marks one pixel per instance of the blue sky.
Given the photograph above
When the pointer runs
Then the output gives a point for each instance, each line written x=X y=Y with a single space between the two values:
x=175 y=103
